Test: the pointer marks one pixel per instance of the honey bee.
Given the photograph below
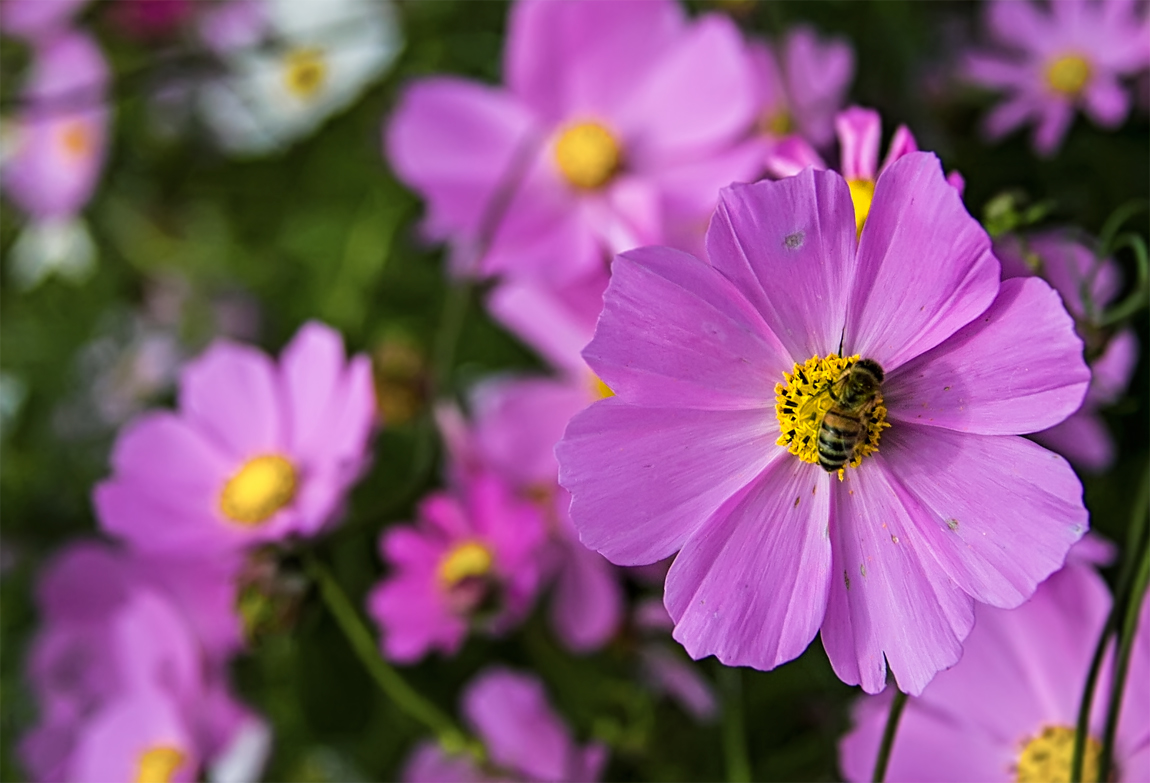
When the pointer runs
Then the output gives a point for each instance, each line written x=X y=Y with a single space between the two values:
x=843 y=427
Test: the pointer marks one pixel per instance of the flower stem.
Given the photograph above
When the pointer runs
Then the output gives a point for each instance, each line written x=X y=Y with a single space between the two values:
x=734 y=732
x=410 y=701
x=1135 y=542
x=896 y=707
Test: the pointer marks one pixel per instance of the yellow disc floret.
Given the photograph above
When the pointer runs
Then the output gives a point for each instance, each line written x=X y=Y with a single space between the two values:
x=1068 y=75
x=862 y=194
x=587 y=155
x=75 y=139
x=259 y=489
x=600 y=390
x=778 y=123
x=304 y=72
x=159 y=764
x=1047 y=757
x=468 y=560
x=803 y=400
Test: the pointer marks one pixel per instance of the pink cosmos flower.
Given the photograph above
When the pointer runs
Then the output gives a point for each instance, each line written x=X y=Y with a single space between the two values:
x=57 y=148
x=524 y=738
x=859 y=133
x=257 y=451
x=618 y=124
x=723 y=373
x=1087 y=286
x=801 y=90
x=1057 y=58
x=470 y=561
x=132 y=650
x=1008 y=710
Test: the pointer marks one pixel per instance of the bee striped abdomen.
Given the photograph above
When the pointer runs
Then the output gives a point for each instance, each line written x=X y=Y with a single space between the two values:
x=839 y=434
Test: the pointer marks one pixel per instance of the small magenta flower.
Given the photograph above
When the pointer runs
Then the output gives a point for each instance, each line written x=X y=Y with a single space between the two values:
x=824 y=426
x=1057 y=58
x=54 y=153
x=618 y=124
x=471 y=561
x=800 y=90
x=1087 y=285
x=524 y=738
x=1008 y=710
x=257 y=451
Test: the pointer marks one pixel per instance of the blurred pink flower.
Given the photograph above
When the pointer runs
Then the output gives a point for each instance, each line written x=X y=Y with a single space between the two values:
x=618 y=124
x=524 y=738
x=470 y=562
x=53 y=153
x=1008 y=710
x=151 y=18
x=664 y=667
x=130 y=659
x=1087 y=285
x=37 y=19
x=800 y=91
x=257 y=452
x=693 y=454
x=1057 y=58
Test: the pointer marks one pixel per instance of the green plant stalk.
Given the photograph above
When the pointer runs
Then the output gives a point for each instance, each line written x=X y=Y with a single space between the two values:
x=896 y=708
x=734 y=732
x=1126 y=646
x=410 y=701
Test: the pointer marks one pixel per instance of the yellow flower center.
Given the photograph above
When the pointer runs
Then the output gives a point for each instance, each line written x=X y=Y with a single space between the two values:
x=600 y=390
x=1068 y=74
x=778 y=123
x=862 y=194
x=587 y=155
x=1047 y=757
x=304 y=72
x=833 y=386
x=469 y=560
x=263 y=486
x=159 y=764
x=75 y=139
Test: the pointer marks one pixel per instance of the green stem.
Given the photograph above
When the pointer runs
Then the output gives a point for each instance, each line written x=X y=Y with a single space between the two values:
x=1126 y=645
x=410 y=701
x=734 y=732
x=896 y=707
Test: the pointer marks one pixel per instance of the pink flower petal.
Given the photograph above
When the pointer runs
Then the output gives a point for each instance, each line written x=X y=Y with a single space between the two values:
x=1009 y=116
x=644 y=479
x=790 y=156
x=1106 y=101
x=671 y=317
x=860 y=134
x=889 y=603
x=986 y=380
x=819 y=73
x=587 y=606
x=165 y=453
x=750 y=587
x=800 y=230
x=1083 y=439
x=1054 y=119
x=998 y=512
x=1018 y=24
x=916 y=215
x=1113 y=370
x=311 y=366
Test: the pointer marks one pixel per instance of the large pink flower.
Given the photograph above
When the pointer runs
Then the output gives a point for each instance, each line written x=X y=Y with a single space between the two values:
x=1008 y=710
x=618 y=124
x=257 y=452
x=1057 y=58
x=709 y=445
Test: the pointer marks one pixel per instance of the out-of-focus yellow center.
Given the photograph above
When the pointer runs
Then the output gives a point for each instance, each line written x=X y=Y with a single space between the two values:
x=1068 y=74
x=159 y=764
x=600 y=390
x=263 y=486
x=468 y=560
x=304 y=72
x=778 y=123
x=1047 y=757
x=75 y=139
x=862 y=194
x=587 y=155
x=802 y=401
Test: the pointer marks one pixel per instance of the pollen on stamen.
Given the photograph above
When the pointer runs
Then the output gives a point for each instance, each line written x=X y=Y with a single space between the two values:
x=802 y=401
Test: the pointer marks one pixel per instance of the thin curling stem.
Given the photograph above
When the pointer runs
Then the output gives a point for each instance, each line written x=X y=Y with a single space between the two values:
x=410 y=701
x=734 y=730
x=1126 y=645
x=896 y=708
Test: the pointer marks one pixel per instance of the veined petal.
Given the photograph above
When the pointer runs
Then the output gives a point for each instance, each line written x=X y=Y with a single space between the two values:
x=889 y=602
x=925 y=268
x=998 y=512
x=789 y=247
x=675 y=332
x=643 y=480
x=860 y=134
x=751 y=586
x=987 y=380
